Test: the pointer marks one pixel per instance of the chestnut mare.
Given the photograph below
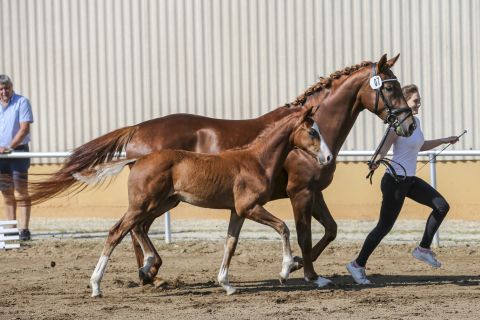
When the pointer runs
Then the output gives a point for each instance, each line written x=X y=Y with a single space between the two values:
x=341 y=97
x=239 y=180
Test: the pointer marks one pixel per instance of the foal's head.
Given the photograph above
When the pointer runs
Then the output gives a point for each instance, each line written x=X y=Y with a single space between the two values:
x=307 y=137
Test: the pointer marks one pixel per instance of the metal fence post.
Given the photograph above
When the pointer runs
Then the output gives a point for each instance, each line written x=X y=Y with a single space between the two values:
x=168 y=233
x=433 y=183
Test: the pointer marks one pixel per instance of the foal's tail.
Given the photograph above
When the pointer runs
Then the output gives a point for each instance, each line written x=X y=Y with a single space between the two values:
x=102 y=171
x=89 y=155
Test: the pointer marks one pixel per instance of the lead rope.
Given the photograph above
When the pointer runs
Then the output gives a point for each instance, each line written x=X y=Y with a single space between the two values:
x=387 y=162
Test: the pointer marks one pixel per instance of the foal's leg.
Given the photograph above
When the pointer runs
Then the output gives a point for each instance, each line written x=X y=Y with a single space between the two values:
x=322 y=215
x=115 y=235
x=234 y=227
x=260 y=215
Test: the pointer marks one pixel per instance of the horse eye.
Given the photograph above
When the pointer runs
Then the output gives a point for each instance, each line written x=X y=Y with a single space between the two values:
x=389 y=88
x=313 y=133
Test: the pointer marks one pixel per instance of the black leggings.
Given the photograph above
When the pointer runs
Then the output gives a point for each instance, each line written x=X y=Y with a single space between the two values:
x=394 y=194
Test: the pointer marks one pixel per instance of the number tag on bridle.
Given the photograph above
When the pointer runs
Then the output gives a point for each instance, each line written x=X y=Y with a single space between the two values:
x=375 y=82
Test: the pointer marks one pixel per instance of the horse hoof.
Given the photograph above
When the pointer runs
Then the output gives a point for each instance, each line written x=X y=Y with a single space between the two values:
x=159 y=282
x=144 y=278
x=96 y=293
x=229 y=289
x=297 y=264
x=323 y=282
x=283 y=280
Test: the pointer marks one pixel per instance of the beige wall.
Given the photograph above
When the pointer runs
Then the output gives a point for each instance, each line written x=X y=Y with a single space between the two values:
x=349 y=196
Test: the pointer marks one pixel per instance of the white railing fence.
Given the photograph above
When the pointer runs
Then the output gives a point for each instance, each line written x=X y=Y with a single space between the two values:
x=9 y=234
x=343 y=156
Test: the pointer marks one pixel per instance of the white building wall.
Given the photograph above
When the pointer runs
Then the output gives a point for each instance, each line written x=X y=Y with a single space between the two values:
x=91 y=66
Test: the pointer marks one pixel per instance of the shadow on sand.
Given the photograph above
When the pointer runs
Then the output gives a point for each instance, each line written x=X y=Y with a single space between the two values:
x=340 y=282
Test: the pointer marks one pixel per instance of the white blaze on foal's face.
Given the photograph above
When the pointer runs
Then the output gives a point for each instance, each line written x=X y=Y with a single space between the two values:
x=324 y=154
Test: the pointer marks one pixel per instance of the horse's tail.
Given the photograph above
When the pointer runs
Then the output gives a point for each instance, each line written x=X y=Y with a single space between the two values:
x=87 y=156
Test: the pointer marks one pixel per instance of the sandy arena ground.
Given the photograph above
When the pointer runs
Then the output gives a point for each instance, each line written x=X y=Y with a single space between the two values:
x=48 y=278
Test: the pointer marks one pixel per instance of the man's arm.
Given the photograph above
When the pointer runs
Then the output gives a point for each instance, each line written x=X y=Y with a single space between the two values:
x=22 y=133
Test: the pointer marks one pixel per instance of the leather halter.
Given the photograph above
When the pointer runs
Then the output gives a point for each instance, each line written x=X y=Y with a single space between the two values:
x=392 y=116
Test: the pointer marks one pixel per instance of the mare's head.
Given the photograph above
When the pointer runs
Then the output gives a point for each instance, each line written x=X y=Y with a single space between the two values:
x=307 y=136
x=383 y=95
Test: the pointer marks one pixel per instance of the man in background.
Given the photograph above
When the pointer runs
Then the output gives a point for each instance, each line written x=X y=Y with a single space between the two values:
x=15 y=118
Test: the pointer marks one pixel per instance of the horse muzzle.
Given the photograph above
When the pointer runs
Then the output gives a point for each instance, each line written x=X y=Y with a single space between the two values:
x=324 y=156
x=325 y=160
x=400 y=130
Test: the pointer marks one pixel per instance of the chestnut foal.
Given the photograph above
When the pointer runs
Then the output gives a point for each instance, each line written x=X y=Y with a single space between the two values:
x=238 y=179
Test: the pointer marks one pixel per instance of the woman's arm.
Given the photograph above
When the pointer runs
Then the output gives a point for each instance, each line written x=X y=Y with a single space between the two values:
x=430 y=144
x=391 y=137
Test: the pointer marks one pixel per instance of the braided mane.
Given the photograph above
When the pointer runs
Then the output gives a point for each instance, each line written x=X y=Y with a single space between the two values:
x=325 y=83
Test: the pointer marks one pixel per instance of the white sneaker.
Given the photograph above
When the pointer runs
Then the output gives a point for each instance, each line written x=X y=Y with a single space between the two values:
x=427 y=256
x=358 y=274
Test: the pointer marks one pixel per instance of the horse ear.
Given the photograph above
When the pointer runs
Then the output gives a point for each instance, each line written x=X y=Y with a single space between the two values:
x=308 y=115
x=381 y=63
x=392 y=61
x=313 y=110
x=305 y=115
x=308 y=112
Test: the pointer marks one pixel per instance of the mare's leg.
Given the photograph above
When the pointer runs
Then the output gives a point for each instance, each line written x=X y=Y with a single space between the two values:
x=302 y=203
x=136 y=246
x=260 y=215
x=322 y=214
x=115 y=235
x=152 y=260
x=234 y=227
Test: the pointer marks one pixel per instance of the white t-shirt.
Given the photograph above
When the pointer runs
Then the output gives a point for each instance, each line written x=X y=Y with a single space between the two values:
x=405 y=151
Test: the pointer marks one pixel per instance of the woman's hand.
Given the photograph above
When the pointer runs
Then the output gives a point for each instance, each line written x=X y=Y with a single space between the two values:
x=373 y=165
x=452 y=140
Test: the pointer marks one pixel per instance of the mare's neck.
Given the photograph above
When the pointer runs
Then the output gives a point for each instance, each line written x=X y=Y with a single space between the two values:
x=339 y=109
x=276 y=114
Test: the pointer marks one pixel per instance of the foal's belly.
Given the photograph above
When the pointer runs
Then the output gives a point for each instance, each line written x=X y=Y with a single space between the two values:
x=207 y=199
x=204 y=181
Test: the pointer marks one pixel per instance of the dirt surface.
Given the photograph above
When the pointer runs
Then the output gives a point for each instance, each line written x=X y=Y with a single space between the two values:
x=49 y=279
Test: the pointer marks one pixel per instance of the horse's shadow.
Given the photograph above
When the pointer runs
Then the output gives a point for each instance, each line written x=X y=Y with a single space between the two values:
x=340 y=282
